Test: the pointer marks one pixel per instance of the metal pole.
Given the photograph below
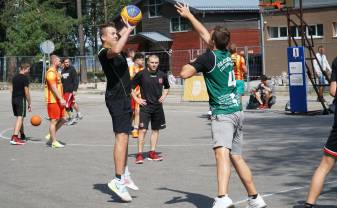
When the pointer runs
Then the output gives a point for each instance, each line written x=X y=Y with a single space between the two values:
x=302 y=25
x=262 y=44
x=247 y=67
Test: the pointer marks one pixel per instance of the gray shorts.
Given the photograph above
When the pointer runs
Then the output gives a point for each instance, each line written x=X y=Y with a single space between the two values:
x=227 y=132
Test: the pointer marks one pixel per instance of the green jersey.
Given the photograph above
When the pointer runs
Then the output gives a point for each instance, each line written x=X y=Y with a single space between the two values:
x=218 y=71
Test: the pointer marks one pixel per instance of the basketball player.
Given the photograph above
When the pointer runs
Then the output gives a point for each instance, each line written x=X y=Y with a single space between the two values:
x=20 y=95
x=227 y=116
x=118 y=102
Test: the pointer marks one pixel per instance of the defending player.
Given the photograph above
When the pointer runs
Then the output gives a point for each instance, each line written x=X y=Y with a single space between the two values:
x=227 y=116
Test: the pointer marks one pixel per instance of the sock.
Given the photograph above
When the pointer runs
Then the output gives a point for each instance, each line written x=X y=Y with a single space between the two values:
x=253 y=196
x=308 y=205
x=222 y=196
x=119 y=177
x=23 y=136
x=126 y=171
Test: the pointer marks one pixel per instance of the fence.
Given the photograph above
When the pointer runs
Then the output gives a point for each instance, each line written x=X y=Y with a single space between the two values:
x=169 y=61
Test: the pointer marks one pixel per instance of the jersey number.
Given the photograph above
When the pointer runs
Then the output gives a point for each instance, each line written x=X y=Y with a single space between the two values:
x=231 y=79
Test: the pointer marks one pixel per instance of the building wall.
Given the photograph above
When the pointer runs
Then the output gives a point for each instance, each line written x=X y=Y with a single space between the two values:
x=275 y=50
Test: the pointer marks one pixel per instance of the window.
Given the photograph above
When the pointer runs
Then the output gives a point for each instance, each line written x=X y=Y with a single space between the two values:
x=154 y=8
x=179 y=24
x=315 y=30
x=282 y=32
x=278 y=32
x=335 y=29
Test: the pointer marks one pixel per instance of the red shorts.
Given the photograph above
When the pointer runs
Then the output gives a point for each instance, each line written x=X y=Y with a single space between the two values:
x=70 y=99
x=55 y=111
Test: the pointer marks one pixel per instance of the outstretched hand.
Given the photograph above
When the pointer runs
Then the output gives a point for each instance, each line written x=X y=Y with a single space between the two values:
x=127 y=24
x=182 y=9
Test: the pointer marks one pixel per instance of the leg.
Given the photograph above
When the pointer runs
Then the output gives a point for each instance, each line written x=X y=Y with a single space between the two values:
x=223 y=169
x=136 y=118
x=154 y=139
x=140 y=141
x=76 y=107
x=52 y=129
x=266 y=97
x=327 y=163
x=18 y=125
x=59 y=124
x=120 y=152
x=244 y=173
x=258 y=97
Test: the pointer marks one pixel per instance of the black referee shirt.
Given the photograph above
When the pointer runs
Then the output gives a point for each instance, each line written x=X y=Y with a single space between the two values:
x=151 y=85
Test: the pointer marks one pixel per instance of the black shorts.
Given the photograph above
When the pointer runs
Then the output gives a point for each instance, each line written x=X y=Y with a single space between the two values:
x=19 y=106
x=155 y=114
x=121 y=114
x=331 y=145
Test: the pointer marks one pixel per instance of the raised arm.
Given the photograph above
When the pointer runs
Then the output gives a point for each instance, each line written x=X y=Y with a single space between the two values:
x=184 y=11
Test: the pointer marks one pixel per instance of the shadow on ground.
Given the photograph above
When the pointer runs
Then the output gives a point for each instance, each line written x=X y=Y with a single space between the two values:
x=198 y=200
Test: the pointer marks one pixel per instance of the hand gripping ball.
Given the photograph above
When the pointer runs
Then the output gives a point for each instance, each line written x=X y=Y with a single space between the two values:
x=131 y=14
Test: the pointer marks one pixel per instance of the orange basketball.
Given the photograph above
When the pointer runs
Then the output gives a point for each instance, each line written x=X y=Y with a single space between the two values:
x=35 y=120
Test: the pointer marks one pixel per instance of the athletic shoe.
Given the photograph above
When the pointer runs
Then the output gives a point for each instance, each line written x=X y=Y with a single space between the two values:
x=135 y=133
x=16 y=141
x=48 y=138
x=71 y=121
x=154 y=156
x=139 y=158
x=224 y=202
x=57 y=144
x=23 y=137
x=119 y=188
x=128 y=182
x=79 y=115
x=258 y=202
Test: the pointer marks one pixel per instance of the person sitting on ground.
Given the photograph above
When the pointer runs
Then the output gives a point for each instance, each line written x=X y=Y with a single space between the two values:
x=263 y=92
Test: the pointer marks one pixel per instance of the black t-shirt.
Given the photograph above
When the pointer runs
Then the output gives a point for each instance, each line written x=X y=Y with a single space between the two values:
x=69 y=79
x=205 y=62
x=19 y=82
x=151 y=85
x=117 y=73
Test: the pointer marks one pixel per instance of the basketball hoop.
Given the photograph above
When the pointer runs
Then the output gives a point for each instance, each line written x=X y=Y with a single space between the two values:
x=270 y=6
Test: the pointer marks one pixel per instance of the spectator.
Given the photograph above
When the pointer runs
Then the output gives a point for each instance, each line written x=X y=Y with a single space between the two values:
x=263 y=92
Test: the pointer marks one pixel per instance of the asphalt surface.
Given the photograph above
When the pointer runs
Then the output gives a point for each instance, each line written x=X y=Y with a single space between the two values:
x=282 y=150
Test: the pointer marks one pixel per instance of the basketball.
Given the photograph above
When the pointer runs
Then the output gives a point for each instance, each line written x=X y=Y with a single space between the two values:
x=132 y=14
x=35 y=120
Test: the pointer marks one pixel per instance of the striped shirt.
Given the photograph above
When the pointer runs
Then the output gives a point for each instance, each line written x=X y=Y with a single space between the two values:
x=52 y=77
x=239 y=63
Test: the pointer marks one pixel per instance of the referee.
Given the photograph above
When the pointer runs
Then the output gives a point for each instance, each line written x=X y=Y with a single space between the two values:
x=154 y=87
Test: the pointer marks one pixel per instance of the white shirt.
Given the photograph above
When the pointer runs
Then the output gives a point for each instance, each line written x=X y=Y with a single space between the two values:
x=324 y=63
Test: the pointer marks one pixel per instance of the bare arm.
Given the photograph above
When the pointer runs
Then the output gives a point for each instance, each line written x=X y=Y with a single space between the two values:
x=57 y=95
x=184 y=11
x=27 y=94
x=164 y=95
x=139 y=100
x=118 y=47
x=332 y=89
x=187 y=71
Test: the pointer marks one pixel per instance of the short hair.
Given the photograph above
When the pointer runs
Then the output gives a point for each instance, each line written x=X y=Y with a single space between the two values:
x=221 y=37
x=152 y=56
x=320 y=47
x=24 y=66
x=264 y=78
x=53 y=58
x=103 y=26
x=65 y=58
x=233 y=48
x=138 y=56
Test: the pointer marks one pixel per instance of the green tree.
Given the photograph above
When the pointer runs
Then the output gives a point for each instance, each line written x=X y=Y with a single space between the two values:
x=29 y=22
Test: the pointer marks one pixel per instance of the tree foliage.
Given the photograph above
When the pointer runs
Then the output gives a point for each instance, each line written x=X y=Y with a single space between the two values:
x=27 y=23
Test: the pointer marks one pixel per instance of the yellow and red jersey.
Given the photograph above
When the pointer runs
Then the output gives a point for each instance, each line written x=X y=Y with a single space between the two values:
x=52 y=77
x=239 y=64
x=133 y=70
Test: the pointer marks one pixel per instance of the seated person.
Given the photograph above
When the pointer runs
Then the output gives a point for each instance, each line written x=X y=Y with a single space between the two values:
x=263 y=92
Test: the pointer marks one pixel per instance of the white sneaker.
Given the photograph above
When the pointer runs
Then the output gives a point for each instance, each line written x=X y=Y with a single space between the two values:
x=256 y=203
x=224 y=202
x=79 y=115
x=128 y=182
x=120 y=189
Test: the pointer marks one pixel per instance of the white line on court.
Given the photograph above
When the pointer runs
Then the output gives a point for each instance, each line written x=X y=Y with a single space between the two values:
x=283 y=191
x=105 y=145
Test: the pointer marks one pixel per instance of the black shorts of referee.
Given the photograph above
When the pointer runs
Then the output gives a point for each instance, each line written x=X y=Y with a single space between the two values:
x=154 y=114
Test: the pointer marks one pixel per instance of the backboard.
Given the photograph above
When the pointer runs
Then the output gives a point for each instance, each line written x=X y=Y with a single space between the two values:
x=277 y=4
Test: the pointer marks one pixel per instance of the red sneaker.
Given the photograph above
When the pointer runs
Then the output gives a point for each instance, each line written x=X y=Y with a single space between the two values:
x=16 y=140
x=154 y=156
x=261 y=107
x=139 y=158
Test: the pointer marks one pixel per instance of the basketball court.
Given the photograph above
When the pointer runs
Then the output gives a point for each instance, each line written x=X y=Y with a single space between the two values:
x=281 y=156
